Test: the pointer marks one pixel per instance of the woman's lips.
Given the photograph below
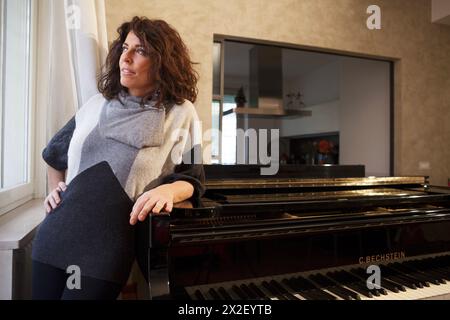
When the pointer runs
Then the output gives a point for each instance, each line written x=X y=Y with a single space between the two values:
x=127 y=72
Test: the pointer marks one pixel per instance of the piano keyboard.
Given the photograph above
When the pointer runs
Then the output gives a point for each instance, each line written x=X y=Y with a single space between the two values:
x=410 y=279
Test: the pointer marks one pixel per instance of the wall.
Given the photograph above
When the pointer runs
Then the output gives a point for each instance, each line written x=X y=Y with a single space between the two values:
x=422 y=83
x=364 y=115
x=324 y=119
x=319 y=86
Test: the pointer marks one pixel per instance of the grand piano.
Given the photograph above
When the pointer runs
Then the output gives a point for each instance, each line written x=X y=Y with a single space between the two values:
x=307 y=233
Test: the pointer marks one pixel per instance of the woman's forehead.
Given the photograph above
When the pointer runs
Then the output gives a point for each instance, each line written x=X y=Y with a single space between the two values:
x=133 y=40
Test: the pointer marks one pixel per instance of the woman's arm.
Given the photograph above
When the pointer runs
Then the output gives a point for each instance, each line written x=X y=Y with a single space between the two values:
x=182 y=190
x=54 y=176
x=160 y=199
x=56 y=184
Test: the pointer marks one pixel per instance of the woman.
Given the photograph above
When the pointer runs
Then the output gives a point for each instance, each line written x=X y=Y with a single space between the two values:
x=116 y=161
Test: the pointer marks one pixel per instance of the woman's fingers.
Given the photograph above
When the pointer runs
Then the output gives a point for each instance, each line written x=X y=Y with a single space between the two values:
x=47 y=206
x=138 y=206
x=147 y=208
x=152 y=205
x=137 y=209
x=62 y=185
x=52 y=202
x=149 y=205
x=53 y=199
x=169 y=206
x=159 y=205
x=55 y=194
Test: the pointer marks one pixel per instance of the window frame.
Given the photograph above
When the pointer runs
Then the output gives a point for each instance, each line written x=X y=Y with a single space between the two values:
x=220 y=97
x=11 y=198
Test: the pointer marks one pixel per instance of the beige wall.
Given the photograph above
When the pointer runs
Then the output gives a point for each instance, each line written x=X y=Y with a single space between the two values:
x=422 y=50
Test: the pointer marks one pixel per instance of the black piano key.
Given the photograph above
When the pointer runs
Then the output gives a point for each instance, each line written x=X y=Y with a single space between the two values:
x=272 y=290
x=283 y=291
x=347 y=280
x=427 y=277
x=316 y=289
x=213 y=293
x=400 y=281
x=440 y=262
x=397 y=279
x=419 y=280
x=342 y=292
x=239 y=292
x=258 y=291
x=428 y=269
x=249 y=292
x=440 y=276
x=390 y=271
x=224 y=293
x=304 y=293
x=307 y=286
x=332 y=287
x=431 y=265
x=443 y=272
x=385 y=283
x=360 y=272
x=304 y=284
x=199 y=295
x=391 y=286
x=357 y=285
x=363 y=282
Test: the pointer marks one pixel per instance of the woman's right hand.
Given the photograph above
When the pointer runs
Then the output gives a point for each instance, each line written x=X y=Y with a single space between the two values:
x=53 y=199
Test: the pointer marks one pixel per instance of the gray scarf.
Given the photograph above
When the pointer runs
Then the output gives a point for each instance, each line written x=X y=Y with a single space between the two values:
x=131 y=123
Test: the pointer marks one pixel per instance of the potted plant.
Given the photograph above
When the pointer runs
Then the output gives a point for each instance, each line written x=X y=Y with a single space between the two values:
x=240 y=98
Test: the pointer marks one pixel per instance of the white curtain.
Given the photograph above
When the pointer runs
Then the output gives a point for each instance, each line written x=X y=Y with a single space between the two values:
x=72 y=46
x=88 y=44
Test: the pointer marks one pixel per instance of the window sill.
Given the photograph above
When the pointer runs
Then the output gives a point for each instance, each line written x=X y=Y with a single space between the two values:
x=18 y=226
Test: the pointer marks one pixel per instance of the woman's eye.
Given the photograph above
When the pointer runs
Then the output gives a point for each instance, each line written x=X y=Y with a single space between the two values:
x=124 y=49
x=141 y=52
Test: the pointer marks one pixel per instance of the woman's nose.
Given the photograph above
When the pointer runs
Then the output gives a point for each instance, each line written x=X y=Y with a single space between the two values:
x=127 y=56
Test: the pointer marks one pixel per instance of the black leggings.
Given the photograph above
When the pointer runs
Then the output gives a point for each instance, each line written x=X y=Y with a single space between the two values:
x=49 y=283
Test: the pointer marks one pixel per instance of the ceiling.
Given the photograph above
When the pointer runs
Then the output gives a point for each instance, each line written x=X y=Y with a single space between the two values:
x=295 y=62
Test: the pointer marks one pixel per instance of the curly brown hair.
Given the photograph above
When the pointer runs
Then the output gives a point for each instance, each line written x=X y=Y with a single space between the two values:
x=172 y=68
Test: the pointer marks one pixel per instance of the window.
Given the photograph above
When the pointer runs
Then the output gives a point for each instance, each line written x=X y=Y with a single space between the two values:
x=15 y=105
x=223 y=130
x=217 y=104
x=329 y=108
x=229 y=132
x=215 y=146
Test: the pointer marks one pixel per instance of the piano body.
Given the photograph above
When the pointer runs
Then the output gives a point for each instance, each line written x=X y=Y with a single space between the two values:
x=310 y=232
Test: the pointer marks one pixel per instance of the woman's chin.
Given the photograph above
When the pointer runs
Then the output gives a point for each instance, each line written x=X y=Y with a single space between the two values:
x=125 y=82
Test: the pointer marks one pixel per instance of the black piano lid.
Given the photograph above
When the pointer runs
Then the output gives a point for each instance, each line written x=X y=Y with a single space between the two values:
x=233 y=191
x=215 y=171
x=251 y=202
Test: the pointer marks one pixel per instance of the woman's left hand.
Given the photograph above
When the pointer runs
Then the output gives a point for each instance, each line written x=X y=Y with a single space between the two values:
x=153 y=201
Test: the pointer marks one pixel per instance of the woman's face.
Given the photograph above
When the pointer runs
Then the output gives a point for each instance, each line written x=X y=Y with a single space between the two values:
x=134 y=66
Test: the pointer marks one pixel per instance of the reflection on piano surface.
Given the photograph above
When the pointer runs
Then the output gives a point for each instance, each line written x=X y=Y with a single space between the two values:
x=307 y=233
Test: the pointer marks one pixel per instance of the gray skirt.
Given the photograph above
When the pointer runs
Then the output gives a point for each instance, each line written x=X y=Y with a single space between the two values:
x=90 y=228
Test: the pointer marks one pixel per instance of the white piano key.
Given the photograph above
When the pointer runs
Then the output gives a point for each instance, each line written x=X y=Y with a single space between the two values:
x=441 y=291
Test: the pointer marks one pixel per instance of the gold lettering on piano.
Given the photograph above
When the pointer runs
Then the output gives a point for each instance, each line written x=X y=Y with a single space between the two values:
x=382 y=257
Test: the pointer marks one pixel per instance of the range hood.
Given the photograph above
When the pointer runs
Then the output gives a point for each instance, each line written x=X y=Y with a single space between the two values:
x=266 y=85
